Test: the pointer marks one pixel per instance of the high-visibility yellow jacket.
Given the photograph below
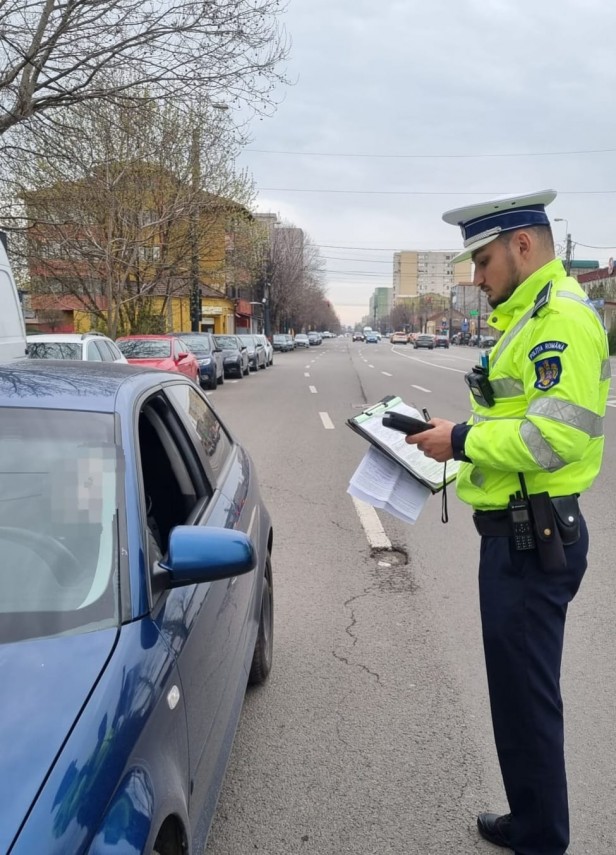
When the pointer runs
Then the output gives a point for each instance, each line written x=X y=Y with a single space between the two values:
x=550 y=374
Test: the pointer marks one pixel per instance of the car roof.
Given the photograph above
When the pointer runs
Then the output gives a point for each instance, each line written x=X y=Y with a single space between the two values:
x=69 y=385
x=78 y=338
x=147 y=335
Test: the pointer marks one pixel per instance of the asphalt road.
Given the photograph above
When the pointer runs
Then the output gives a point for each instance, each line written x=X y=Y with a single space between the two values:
x=373 y=734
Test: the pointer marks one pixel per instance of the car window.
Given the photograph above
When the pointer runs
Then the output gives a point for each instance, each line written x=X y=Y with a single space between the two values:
x=93 y=354
x=144 y=348
x=59 y=496
x=228 y=342
x=211 y=434
x=195 y=343
x=173 y=482
x=104 y=350
x=114 y=351
x=54 y=350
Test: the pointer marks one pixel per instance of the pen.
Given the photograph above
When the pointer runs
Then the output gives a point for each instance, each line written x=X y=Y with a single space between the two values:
x=426 y=414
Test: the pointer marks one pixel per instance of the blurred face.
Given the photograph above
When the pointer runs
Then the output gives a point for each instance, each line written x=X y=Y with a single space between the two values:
x=496 y=271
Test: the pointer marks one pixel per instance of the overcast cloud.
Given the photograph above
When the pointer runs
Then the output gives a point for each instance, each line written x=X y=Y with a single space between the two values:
x=427 y=80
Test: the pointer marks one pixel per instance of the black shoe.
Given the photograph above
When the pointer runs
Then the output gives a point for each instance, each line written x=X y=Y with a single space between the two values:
x=495 y=828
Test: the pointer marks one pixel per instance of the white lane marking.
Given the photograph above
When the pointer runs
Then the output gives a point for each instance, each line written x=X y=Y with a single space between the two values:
x=370 y=366
x=387 y=374
x=421 y=388
x=432 y=364
x=327 y=422
x=371 y=524
x=313 y=389
x=611 y=402
x=306 y=374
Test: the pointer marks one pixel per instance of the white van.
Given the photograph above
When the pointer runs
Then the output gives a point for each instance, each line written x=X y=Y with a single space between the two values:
x=12 y=327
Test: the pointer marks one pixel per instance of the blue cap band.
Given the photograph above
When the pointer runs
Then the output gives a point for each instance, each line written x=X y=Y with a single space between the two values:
x=532 y=215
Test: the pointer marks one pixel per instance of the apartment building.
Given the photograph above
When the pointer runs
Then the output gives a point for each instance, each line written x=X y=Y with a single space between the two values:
x=381 y=303
x=418 y=272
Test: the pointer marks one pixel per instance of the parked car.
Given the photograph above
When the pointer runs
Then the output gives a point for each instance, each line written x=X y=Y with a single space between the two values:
x=282 y=342
x=301 y=340
x=256 y=352
x=12 y=329
x=136 y=607
x=441 y=340
x=424 y=340
x=209 y=356
x=269 y=348
x=290 y=340
x=234 y=355
x=314 y=338
x=399 y=338
x=487 y=341
x=91 y=347
x=165 y=352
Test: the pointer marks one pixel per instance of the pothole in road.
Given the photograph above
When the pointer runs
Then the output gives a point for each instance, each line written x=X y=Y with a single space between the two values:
x=392 y=571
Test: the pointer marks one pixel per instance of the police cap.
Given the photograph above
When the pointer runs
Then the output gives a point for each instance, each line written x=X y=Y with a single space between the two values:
x=485 y=221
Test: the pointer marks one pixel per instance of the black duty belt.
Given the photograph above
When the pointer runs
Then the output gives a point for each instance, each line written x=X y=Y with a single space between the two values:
x=493 y=523
x=498 y=524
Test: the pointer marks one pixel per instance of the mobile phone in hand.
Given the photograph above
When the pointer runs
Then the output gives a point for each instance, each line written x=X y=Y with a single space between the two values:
x=405 y=424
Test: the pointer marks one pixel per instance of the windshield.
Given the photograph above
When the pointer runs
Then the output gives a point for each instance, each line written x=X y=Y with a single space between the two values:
x=54 y=350
x=144 y=348
x=227 y=342
x=195 y=343
x=58 y=506
x=248 y=340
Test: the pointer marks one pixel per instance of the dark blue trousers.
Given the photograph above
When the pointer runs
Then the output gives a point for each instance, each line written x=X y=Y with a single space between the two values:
x=523 y=611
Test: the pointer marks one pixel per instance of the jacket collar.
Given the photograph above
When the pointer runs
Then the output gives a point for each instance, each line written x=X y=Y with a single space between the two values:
x=524 y=295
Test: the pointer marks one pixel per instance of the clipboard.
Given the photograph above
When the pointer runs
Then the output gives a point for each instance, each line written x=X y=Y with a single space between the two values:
x=368 y=424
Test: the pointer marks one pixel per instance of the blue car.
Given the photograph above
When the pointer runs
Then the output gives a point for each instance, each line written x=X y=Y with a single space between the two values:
x=209 y=356
x=136 y=606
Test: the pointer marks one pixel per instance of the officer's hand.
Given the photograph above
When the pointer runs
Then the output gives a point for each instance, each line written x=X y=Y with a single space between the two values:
x=435 y=443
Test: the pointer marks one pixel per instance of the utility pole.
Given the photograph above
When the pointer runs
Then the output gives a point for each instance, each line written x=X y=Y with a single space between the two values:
x=195 y=285
x=568 y=255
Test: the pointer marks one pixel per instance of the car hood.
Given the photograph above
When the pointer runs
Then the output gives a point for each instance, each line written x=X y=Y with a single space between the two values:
x=230 y=351
x=48 y=681
x=166 y=363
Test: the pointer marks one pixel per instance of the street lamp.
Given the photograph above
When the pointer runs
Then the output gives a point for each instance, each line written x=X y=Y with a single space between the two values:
x=568 y=250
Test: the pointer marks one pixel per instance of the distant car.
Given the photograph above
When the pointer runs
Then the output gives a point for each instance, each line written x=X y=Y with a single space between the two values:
x=234 y=355
x=357 y=336
x=301 y=340
x=136 y=606
x=91 y=347
x=269 y=348
x=441 y=340
x=256 y=352
x=487 y=341
x=371 y=338
x=282 y=342
x=424 y=340
x=314 y=338
x=165 y=352
x=209 y=356
x=399 y=338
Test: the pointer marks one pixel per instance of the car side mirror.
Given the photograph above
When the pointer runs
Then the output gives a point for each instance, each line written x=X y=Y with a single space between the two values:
x=181 y=357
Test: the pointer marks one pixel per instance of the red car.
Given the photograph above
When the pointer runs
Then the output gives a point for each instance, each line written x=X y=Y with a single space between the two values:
x=167 y=352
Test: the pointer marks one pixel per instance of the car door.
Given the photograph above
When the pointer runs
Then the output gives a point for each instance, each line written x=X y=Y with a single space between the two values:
x=184 y=366
x=200 y=622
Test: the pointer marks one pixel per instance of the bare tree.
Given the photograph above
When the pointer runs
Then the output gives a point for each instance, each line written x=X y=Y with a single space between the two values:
x=119 y=204
x=58 y=54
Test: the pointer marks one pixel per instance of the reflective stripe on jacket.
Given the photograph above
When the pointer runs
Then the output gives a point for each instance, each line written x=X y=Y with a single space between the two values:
x=550 y=374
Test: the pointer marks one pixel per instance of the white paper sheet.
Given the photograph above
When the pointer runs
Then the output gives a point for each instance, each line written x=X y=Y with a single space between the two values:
x=382 y=483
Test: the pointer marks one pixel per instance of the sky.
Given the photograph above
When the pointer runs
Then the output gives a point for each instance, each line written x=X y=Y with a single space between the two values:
x=399 y=110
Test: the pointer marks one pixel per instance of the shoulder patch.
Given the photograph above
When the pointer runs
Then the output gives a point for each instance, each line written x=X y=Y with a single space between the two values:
x=548 y=372
x=547 y=347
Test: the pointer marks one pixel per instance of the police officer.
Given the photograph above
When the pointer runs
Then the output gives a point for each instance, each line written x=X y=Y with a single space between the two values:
x=534 y=442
